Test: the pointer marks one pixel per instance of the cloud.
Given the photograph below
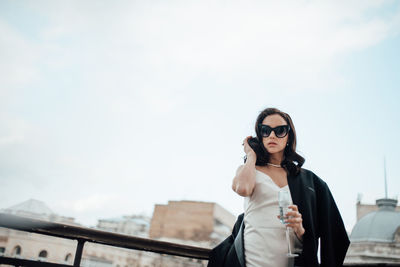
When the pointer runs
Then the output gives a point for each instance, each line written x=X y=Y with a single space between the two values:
x=18 y=61
x=90 y=203
x=171 y=45
x=12 y=132
x=16 y=130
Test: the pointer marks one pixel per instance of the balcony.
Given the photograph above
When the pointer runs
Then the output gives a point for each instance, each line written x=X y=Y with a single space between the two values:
x=87 y=235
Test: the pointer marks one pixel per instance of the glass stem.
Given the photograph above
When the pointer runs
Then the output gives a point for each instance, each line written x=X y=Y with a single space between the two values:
x=288 y=241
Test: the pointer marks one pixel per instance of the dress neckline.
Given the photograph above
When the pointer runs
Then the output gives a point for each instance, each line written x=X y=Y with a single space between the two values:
x=272 y=180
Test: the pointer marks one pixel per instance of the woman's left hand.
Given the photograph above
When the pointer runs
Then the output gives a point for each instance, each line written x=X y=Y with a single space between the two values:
x=295 y=221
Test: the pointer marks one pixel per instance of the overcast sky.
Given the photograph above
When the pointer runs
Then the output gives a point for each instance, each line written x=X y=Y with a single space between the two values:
x=110 y=107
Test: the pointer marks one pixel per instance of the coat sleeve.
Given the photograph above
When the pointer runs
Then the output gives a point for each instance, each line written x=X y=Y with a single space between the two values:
x=298 y=244
x=334 y=239
x=218 y=254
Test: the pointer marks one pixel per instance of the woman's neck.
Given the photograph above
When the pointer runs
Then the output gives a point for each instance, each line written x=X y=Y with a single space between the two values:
x=276 y=158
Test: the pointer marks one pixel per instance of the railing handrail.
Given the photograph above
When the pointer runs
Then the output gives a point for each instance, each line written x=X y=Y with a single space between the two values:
x=84 y=234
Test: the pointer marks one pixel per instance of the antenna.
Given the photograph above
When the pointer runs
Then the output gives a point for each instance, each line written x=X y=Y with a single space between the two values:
x=384 y=166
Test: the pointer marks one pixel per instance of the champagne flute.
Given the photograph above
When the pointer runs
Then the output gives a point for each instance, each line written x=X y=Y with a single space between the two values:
x=284 y=203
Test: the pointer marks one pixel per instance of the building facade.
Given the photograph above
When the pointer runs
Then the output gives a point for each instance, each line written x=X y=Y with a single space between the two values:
x=58 y=250
x=375 y=239
x=207 y=225
x=194 y=223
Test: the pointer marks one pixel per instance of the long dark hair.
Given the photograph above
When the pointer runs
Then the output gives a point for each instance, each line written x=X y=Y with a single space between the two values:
x=292 y=161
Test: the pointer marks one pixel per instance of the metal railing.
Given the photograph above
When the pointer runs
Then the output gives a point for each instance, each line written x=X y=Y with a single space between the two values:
x=82 y=235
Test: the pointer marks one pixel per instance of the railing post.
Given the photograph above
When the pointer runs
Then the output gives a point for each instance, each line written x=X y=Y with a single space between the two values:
x=78 y=254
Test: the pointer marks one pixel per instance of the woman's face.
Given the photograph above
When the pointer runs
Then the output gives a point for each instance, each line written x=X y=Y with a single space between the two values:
x=272 y=143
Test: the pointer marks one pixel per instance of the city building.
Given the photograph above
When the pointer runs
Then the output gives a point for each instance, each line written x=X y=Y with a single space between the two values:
x=58 y=250
x=195 y=223
x=136 y=225
x=375 y=239
x=207 y=225
x=36 y=209
x=201 y=224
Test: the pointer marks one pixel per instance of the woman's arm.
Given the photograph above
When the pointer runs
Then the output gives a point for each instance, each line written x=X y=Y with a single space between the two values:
x=244 y=181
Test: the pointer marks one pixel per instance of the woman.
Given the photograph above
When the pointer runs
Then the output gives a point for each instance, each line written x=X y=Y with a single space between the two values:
x=258 y=237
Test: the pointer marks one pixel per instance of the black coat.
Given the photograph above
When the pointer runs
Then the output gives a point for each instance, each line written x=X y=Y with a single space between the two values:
x=321 y=219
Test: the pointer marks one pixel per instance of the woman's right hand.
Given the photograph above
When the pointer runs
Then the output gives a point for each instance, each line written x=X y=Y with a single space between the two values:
x=247 y=148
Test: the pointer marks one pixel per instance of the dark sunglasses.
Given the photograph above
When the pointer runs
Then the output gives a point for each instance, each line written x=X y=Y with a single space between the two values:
x=280 y=131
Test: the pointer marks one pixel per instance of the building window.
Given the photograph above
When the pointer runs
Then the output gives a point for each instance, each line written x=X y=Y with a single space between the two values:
x=68 y=257
x=17 y=251
x=43 y=254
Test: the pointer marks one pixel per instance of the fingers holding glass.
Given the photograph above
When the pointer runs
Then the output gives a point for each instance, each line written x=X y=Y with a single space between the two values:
x=295 y=221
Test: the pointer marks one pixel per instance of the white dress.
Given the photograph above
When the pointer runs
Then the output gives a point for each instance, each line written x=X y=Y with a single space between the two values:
x=264 y=235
